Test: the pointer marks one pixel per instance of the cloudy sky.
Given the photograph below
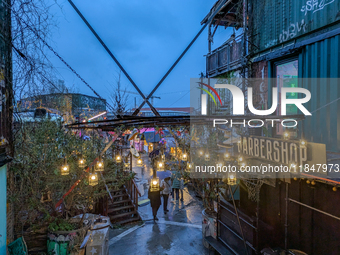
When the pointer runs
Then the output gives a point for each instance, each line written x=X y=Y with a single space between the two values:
x=146 y=36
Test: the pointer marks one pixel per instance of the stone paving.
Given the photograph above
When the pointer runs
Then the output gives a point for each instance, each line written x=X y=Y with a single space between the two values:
x=177 y=232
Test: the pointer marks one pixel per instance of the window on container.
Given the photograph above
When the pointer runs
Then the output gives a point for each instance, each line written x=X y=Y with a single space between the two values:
x=286 y=76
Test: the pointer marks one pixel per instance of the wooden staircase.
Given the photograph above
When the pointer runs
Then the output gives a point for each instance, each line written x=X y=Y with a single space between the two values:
x=122 y=205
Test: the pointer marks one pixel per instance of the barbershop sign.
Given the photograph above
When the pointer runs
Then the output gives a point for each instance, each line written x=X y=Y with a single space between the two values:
x=282 y=151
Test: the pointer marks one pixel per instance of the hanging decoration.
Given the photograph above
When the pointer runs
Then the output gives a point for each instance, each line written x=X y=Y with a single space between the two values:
x=207 y=157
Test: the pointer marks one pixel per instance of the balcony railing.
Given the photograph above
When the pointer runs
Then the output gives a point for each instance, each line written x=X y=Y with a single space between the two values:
x=225 y=58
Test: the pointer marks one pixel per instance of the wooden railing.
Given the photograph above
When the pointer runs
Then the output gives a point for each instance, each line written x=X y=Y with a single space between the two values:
x=225 y=58
x=134 y=192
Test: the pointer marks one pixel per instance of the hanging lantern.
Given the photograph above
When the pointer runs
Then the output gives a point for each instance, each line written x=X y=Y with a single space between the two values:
x=303 y=143
x=82 y=162
x=226 y=156
x=99 y=166
x=231 y=179
x=190 y=166
x=160 y=166
x=118 y=159
x=243 y=164
x=207 y=157
x=139 y=162
x=93 y=179
x=127 y=164
x=65 y=169
x=185 y=157
x=286 y=135
x=154 y=186
x=200 y=153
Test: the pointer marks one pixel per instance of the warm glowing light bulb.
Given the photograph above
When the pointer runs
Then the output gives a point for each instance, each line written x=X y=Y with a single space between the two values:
x=184 y=155
x=201 y=152
x=154 y=182
x=65 y=168
x=160 y=164
x=240 y=159
x=93 y=177
x=100 y=164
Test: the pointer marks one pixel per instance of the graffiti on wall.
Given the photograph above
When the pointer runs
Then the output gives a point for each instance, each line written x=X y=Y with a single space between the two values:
x=293 y=30
x=297 y=28
x=315 y=5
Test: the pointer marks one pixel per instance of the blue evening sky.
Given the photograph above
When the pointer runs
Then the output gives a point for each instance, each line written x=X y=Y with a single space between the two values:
x=145 y=35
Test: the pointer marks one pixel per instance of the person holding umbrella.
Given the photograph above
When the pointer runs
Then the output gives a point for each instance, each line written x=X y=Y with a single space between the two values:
x=166 y=185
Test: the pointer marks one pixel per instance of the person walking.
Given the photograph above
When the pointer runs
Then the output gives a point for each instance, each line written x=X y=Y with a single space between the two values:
x=155 y=202
x=166 y=185
x=175 y=185
x=181 y=188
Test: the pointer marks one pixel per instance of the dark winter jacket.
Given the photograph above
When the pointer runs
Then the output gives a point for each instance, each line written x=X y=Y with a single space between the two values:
x=155 y=198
